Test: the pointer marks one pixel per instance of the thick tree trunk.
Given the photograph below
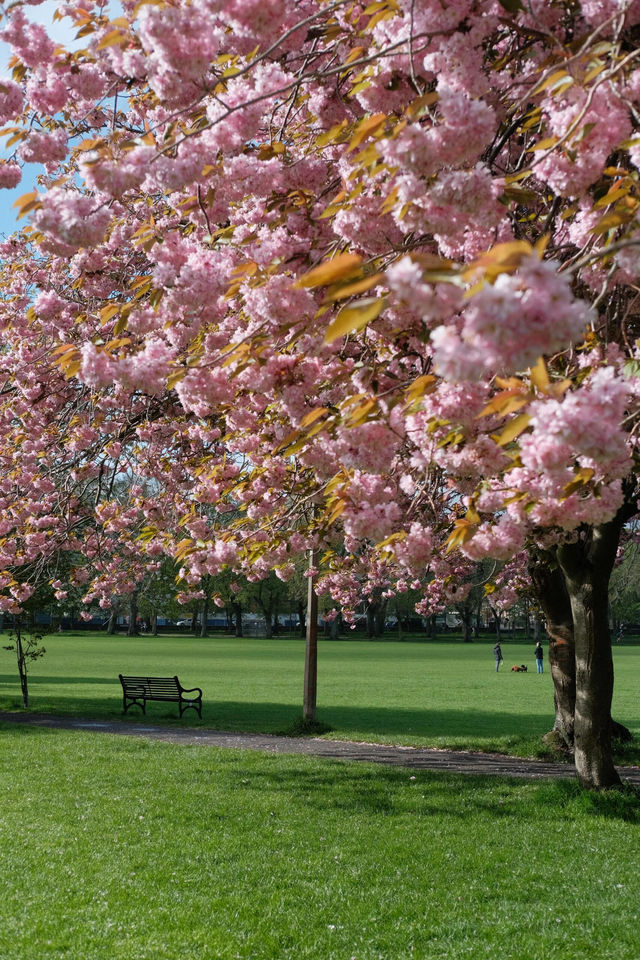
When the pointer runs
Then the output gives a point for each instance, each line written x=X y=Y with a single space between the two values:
x=551 y=593
x=587 y=566
x=553 y=598
x=466 y=614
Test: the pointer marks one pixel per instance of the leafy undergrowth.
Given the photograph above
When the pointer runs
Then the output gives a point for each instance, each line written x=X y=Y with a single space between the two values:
x=121 y=848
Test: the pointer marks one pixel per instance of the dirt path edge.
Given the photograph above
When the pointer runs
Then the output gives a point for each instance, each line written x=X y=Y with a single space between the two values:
x=414 y=758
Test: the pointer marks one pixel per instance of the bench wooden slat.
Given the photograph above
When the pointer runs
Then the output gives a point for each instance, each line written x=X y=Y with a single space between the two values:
x=137 y=690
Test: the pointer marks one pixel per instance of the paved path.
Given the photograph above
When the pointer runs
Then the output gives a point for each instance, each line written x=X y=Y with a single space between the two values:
x=416 y=758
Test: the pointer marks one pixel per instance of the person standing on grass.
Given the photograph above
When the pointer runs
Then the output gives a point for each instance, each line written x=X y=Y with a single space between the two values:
x=497 y=652
x=539 y=652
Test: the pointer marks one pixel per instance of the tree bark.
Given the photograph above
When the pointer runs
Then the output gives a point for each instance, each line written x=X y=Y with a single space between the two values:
x=132 y=629
x=375 y=614
x=552 y=595
x=587 y=565
x=466 y=615
x=204 y=613
x=113 y=620
x=22 y=666
x=237 y=615
x=310 y=689
x=370 y=620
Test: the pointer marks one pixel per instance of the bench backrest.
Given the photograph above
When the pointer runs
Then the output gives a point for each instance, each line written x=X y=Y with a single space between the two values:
x=157 y=687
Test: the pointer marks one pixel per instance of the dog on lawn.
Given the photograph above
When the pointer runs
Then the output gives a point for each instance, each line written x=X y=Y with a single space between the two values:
x=521 y=669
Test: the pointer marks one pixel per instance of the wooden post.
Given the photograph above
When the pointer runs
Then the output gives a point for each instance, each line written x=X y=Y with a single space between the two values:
x=311 y=649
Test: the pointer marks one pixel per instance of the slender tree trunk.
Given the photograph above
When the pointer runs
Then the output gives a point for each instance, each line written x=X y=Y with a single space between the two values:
x=237 y=614
x=310 y=689
x=476 y=619
x=113 y=620
x=204 y=613
x=194 y=622
x=22 y=666
x=537 y=626
x=587 y=566
x=371 y=619
x=132 y=630
x=154 y=623
x=302 y=619
x=380 y=613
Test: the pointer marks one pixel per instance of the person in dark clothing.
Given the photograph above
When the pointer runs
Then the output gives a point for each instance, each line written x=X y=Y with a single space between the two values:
x=539 y=653
x=497 y=652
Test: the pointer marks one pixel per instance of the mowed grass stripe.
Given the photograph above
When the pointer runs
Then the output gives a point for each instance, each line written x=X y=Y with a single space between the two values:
x=439 y=694
x=126 y=849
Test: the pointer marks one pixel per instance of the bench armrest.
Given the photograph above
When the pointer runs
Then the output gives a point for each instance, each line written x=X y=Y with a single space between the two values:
x=191 y=690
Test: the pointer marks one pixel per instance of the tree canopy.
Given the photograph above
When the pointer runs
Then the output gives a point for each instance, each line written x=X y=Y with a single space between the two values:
x=363 y=277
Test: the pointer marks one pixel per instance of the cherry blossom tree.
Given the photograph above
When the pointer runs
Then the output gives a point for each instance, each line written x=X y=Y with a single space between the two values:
x=364 y=273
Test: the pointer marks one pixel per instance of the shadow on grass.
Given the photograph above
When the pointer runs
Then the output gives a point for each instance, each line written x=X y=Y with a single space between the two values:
x=442 y=795
x=477 y=729
x=277 y=717
x=323 y=784
x=37 y=680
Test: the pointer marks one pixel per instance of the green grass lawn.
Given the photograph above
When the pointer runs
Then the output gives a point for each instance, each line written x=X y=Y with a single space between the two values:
x=125 y=849
x=440 y=694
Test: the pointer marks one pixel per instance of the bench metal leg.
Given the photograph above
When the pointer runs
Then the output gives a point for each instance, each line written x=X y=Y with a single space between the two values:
x=136 y=703
x=184 y=705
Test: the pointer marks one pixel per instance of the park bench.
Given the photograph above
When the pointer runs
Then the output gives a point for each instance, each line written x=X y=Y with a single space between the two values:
x=137 y=690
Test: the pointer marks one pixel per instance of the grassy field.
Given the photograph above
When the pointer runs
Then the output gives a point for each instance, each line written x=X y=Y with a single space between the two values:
x=440 y=694
x=130 y=850
x=127 y=849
